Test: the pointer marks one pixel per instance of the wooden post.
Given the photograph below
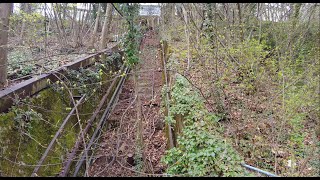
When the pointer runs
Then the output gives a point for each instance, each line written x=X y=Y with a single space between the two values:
x=178 y=117
x=178 y=126
x=165 y=80
x=152 y=23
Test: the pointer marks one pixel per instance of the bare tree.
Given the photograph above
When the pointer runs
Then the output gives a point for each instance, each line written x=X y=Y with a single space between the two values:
x=5 y=11
x=187 y=33
x=106 y=26
x=94 y=33
x=23 y=8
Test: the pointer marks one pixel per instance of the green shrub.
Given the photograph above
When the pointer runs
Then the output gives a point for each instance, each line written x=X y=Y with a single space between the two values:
x=201 y=150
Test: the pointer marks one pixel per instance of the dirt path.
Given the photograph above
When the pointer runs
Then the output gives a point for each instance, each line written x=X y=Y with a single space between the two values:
x=115 y=156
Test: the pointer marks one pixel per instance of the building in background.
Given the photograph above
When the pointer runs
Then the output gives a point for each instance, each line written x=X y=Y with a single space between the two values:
x=149 y=9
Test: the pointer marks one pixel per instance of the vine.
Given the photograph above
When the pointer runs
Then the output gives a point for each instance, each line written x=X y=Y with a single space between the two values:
x=23 y=119
x=133 y=36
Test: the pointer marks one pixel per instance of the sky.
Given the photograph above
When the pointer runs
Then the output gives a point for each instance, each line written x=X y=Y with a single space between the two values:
x=80 y=5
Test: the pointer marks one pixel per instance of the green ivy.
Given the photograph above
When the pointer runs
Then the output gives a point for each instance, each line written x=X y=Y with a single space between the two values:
x=24 y=117
x=201 y=150
x=132 y=37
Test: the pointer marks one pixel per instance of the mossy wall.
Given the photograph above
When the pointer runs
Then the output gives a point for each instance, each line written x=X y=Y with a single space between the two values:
x=20 y=150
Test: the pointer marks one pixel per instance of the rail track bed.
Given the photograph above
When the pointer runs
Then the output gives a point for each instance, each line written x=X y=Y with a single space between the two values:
x=116 y=154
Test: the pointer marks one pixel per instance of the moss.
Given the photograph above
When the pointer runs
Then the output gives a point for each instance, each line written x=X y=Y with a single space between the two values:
x=31 y=151
x=18 y=150
x=42 y=130
x=6 y=130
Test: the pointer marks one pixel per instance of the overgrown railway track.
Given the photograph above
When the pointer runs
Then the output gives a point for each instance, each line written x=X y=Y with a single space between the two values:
x=34 y=85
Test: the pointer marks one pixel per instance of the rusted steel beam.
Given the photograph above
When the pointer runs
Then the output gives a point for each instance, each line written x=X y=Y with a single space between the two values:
x=79 y=141
x=101 y=123
x=44 y=155
x=38 y=83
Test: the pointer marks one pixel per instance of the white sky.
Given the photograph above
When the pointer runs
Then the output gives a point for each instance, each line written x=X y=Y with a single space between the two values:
x=79 y=5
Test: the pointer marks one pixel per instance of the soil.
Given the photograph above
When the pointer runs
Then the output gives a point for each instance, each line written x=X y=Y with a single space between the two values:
x=116 y=154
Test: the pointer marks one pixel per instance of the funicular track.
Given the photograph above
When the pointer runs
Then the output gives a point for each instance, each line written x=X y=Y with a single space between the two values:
x=117 y=154
x=83 y=152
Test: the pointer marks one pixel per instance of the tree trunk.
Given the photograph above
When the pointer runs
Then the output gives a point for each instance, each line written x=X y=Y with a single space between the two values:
x=61 y=32
x=64 y=10
x=240 y=23
x=78 y=39
x=27 y=9
x=94 y=33
x=185 y=15
x=23 y=8
x=106 y=26
x=297 y=7
x=260 y=19
x=5 y=11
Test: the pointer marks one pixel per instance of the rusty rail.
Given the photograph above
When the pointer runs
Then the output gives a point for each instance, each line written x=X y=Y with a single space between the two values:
x=71 y=155
x=36 y=169
x=38 y=83
x=101 y=124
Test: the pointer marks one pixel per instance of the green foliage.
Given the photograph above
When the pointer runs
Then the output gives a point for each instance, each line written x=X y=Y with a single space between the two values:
x=86 y=80
x=34 y=26
x=23 y=118
x=298 y=98
x=16 y=59
x=201 y=150
x=315 y=162
x=250 y=55
x=201 y=153
x=276 y=65
x=132 y=37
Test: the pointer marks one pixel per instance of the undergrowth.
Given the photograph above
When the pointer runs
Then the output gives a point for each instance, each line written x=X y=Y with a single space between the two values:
x=90 y=80
x=201 y=150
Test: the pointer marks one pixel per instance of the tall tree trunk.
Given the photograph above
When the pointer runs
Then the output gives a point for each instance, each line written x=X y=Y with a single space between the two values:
x=61 y=32
x=78 y=39
x=23 y=8
x=74 y=21
x=27 y=9
x=94 y=33
x=64 y=10
x=87 y=23
x=106 y=26
x=260 y=19
x=240 y=22
x=185 y=15
x=296 y=13
x=5 y=11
